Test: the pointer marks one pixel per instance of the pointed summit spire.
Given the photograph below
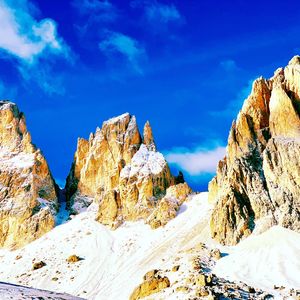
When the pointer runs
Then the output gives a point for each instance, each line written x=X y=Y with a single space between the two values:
x=148 y=137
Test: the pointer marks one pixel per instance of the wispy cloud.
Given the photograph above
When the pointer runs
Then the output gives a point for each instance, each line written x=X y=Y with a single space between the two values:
x=31 y=44
x=42 y=75
x=88 y=6
x=158 y=12
x=197 y=161
x=128 y=47
x=162 y=12
x=93 y=12
x=229 y=65
x=24 y=37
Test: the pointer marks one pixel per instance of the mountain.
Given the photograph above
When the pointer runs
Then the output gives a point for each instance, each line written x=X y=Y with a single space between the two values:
x=28 y=197
x=123 y=175
x=257 y=183
x=120 y=188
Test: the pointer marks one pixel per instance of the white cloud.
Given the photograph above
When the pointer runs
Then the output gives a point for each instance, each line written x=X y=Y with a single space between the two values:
x=118 y=43
x=43 y=77
x=197 y=161
x=158 y=12
x=229 y=65
x=96 y=10
x=33 y=43
x=24 y=37
x=162 y=12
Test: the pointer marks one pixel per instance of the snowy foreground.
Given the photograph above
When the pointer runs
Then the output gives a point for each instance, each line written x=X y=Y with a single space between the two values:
x=16 y=292
x=114 y=262
x=272 y=258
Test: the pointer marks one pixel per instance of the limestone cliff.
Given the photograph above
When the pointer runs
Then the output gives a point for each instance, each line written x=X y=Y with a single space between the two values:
x=257 y=183
x=28 y=198
x=120 y=171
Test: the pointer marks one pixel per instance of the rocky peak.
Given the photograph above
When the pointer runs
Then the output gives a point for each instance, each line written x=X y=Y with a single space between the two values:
x=13 y=132
x=256 y=183
x=148 y=139
x=117 y=170
x=295 y=60
x=28 y=200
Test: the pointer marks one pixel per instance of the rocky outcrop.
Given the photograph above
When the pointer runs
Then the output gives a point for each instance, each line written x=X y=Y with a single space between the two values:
x=120 y=171
x=28 y=200
x=153 y=283
x=169 y=205
x=257 y=183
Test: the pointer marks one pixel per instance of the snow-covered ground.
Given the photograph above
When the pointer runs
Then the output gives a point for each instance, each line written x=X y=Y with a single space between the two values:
x=113 y=262
x=272 y=258
x=16 y=292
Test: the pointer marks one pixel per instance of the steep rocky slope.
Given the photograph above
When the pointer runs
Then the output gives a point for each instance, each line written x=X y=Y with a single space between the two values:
x=124 y=175
x=257 y=183
x=28 y=198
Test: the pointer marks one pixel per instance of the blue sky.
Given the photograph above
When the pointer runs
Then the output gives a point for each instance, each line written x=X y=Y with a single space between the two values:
x=186 y=66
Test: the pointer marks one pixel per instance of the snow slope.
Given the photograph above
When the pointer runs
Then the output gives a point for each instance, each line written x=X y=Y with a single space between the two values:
x=17 y=292
x=272 y=258
x=113 y=262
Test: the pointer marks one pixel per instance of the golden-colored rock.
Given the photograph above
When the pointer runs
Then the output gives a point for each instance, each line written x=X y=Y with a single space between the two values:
x=148 y=139
x=38 y=265
x=202 y=292
x=182 y=289
x=151 y=285
x=259 y=177
x=203 y=280
x=73 y=258
x=216 y=253
x=169 y=205
x=151 y=274
x=108 y=208
x=122 y=173
x=28 y=200
x=175 y=268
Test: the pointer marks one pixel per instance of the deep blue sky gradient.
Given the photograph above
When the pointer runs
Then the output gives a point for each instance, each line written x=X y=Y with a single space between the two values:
x=190 y=80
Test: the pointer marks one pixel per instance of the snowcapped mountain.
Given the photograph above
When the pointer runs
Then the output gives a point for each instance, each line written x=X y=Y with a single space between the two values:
x=126 y=228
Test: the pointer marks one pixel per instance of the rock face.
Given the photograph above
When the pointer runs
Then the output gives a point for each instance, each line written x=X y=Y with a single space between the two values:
x=153 y=283
x=119 y=171
x=257 y=183
x=28 y=198
x=169 y=205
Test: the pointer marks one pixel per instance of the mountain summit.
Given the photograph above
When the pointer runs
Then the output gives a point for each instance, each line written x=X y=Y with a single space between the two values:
x=124 y=176
x=257 y=183
x=28 y=199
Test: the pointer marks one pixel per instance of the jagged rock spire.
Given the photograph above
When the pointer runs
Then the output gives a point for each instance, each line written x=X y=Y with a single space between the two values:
x=123 y=175
x=148 y=139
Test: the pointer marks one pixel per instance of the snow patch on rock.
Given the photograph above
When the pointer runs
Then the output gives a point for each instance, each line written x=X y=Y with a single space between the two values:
x=144 y=163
